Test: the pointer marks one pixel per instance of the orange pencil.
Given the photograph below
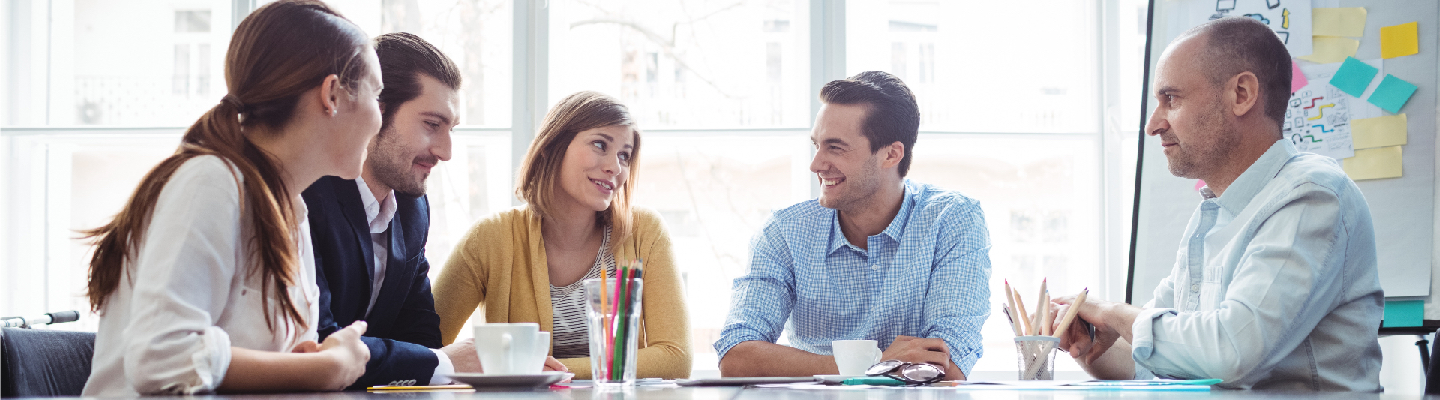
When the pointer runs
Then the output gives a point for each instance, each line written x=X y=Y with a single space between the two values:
x=1024 y=316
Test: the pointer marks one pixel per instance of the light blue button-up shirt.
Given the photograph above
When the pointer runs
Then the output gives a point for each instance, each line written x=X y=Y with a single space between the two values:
x=925 y=275
x=1275 y=285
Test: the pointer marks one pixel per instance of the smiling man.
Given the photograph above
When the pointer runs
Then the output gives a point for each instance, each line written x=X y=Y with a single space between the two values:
x=875 y=257
x=369 y=233
x=1275 y=285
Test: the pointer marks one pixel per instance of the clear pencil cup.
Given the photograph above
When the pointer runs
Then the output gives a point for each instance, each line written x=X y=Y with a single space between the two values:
x=612 y=315
x=1036 y=357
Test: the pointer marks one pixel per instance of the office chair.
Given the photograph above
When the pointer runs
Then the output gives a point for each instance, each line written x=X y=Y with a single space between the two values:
x=44 y=363
x=1432 y=374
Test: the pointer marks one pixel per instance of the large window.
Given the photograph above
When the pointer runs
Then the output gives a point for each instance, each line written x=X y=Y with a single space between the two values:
x=1032 y=112
x=693 y=63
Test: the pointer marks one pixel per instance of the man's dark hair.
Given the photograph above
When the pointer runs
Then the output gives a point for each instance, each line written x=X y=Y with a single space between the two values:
x=892 y=115
x=403 y=58
x=1237 y=44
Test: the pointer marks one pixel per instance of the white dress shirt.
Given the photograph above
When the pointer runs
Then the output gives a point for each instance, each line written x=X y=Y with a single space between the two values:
x=1275 y=286
x=379 y=213
x=192 y=292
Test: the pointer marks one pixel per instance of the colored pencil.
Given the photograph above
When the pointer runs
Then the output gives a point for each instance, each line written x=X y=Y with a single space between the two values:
x=1010 y=297
x=1024 y=315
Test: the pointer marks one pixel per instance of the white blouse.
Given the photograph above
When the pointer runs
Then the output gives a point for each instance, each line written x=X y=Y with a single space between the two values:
x=192 y=293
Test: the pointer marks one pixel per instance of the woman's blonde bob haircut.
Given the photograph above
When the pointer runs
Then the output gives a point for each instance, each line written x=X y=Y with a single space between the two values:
x=540 y=172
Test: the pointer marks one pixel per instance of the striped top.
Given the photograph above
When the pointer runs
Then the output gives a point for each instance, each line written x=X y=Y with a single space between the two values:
x=569 y=332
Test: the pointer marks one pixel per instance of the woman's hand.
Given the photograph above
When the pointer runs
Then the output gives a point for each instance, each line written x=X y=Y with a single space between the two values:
x=551 y=364
x=349 y=355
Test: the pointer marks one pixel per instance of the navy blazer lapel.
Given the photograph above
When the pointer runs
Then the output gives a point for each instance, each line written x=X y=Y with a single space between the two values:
x=354 y=210
x=398 y=273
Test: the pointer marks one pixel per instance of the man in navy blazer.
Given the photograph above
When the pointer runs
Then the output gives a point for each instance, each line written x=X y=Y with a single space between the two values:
x=369 y=233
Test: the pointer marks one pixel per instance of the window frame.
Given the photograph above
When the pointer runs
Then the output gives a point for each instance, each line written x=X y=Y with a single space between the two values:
x=31 y=179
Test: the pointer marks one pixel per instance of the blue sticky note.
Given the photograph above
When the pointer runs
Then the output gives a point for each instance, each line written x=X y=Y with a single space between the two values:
x=1392 y=93
x=1353 y=77
x=1404 y=313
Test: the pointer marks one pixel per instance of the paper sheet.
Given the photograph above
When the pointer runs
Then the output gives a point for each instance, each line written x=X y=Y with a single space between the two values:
x=1332 y=49
x=1358 y=109
x=1399 y=40
x=1318 y=121
x=1290 y=19
x=1348 y=21
x=1399 y=313
x=1353 y=77
x=1379 y=131
x=1376 y=163
x=1392 y=94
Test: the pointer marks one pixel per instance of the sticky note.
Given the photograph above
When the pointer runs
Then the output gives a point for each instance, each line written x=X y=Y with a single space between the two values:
x=1353 y=77
x=1379 y=131
x=1297 y=77
x=1399 y=40
x=1331 y=49
x=1348 y=21
x=1392 y=93
x=1376 y=163
x=1400 y=313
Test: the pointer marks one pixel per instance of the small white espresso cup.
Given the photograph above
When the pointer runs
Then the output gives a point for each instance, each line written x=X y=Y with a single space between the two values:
x=854 y=356
x=511 y=349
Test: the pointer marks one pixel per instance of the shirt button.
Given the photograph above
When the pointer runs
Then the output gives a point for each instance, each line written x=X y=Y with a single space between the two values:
x=1194 y=287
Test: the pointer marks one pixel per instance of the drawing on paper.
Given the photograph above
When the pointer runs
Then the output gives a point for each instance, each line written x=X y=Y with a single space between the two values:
x=1318 y=121
x=1290 y=19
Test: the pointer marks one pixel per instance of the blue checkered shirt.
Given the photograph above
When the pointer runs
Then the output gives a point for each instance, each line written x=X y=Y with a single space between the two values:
x=925 y=275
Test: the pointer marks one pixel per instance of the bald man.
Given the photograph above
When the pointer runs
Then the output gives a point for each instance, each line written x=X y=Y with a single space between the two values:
x=1275 y=284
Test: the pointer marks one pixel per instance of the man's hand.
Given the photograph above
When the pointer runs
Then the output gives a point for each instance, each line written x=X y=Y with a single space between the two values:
x=463 y=356
x=918 y=350
x=1108 y=355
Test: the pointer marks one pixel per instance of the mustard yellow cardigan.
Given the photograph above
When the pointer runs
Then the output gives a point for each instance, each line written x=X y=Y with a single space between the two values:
x=500 y=265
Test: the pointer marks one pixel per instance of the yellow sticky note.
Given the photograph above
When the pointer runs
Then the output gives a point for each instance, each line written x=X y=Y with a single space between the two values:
x=1379 y=132
x=1399 y=40
x=1331 y=49
x=1349 y=21
x=1378 y=163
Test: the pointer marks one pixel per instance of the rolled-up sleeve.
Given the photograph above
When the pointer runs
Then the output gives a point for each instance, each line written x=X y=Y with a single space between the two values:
x=182 y=279
x=958 y=301
x=1279 y=291
x=761 y=299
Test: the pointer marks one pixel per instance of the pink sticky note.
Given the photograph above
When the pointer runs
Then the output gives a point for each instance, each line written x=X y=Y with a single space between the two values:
x=1297 y=78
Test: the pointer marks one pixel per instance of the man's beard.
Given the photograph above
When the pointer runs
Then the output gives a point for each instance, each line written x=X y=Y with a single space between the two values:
x=393 y=169
x=1208 y=153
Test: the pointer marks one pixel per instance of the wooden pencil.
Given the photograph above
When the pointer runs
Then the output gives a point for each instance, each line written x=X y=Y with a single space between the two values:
x=1024 y=316
x=1015 y=321
x=1071 y=312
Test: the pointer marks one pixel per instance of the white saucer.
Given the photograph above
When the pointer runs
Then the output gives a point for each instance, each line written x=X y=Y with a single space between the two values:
x=529 y=380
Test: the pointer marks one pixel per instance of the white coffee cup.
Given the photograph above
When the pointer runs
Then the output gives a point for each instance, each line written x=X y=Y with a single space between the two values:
x=853 y=357
x=511 y=349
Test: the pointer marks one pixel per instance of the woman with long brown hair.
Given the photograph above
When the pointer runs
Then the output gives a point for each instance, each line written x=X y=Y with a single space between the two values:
x=528 y=264
x=205 y=280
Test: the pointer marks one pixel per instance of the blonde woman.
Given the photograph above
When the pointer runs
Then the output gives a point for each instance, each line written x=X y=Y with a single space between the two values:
x=527 y=264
